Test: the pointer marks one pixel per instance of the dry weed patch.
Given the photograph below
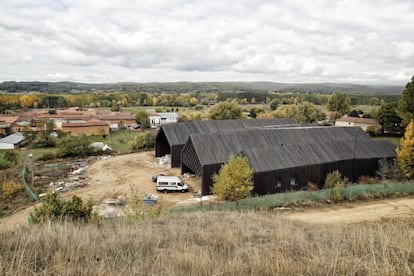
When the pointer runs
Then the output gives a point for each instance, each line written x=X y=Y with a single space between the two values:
x=222 y=243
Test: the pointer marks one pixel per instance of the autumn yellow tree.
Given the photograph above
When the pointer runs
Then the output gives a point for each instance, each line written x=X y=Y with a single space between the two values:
x=193 y=101
x=234 y=180
x=405 y=152
x=27 y=100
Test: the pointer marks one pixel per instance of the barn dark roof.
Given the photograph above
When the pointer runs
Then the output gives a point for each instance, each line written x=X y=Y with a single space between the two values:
x=178 y=133
x=283 y=157
x=216 y=148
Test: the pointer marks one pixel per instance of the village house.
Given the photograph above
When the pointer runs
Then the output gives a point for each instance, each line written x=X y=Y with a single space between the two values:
x=5 y=122
x=363 y=123
x=91 y=127
x=13 y=141
x=74 y=120
x=117 y=120
x=162 y=118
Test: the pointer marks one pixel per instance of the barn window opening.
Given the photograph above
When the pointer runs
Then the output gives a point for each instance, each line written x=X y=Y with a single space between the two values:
x=278 y=184
x=293 y=182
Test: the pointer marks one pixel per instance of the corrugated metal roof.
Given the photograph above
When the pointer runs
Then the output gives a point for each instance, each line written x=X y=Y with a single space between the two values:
x=215 y=148
x=283 y=157
x=177 y=134
x=14 y=138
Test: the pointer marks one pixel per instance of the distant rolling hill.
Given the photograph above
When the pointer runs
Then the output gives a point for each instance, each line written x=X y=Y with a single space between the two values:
x=191 y=87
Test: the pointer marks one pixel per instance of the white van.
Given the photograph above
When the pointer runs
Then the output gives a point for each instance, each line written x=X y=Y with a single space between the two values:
x=170 y=184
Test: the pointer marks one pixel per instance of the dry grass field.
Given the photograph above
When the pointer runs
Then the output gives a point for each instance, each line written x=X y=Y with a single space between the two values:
x=225 y=243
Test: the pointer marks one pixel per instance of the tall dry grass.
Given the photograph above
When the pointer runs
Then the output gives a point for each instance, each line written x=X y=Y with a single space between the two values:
x=222 y=243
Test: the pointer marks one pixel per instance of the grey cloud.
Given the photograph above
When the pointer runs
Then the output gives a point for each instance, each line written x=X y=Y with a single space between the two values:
x=294 y=41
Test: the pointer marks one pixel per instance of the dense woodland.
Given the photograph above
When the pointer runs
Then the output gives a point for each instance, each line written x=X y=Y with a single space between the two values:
x=42 y=98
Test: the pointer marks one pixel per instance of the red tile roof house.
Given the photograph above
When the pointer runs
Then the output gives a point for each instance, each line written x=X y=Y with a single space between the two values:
x=364 y=123
x=117 y=120
x=5 y=123
x=74 y=121
x=91 y=127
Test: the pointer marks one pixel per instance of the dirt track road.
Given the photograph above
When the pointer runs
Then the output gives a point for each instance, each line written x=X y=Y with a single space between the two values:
x=357 y=212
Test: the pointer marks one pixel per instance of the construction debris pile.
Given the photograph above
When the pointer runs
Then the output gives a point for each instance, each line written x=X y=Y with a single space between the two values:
x=66 y=185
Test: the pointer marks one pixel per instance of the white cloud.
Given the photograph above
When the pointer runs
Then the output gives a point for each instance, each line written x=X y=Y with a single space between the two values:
x=171 y=40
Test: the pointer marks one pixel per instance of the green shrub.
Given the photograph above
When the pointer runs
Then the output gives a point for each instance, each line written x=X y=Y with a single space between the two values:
x=143 y=141
x=335 y=179
x=56 y=209
x=374 y=130
x=75 y=147
x=8 y=159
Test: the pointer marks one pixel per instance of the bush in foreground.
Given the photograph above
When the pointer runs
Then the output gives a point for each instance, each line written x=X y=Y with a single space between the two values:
x=56 y=209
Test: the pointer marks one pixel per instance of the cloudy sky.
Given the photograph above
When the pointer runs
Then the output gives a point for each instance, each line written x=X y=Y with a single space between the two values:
x=353 y=41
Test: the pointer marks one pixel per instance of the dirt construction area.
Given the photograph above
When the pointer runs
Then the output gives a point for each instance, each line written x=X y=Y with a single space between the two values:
x=119 y=176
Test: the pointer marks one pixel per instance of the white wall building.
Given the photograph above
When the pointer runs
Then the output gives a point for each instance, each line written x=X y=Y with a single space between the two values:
x=159 y=119
x=13 y=141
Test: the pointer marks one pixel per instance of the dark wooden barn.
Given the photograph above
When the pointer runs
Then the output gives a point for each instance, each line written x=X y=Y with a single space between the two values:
x=287 y=157
x=292 y=167
x=171 y=138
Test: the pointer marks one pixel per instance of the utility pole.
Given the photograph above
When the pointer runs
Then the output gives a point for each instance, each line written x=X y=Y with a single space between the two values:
x=31 y=168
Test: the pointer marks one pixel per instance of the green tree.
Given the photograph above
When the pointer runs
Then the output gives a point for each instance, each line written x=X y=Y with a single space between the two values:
x=373 y=101
x=143 y=141
x=374 y=130
x=353 y=113
x=405 y=107
x=142 y=118
x=304 y=112
x=225 y=110
x=405 y=152
x=274 y=104
x=74 y=147
x=44 y=137
x=191 y=116
x=234 y=180
x=56 y=209
x=255 y=110
x=388 y=118
x=339 y=102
